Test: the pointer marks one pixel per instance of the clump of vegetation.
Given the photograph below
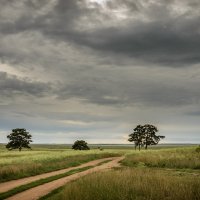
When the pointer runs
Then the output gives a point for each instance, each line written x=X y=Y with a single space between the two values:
x=18 y=139
x=100 y=148
x=132 y=184
x=80 y=145
x=198 y=149
x=144 y=136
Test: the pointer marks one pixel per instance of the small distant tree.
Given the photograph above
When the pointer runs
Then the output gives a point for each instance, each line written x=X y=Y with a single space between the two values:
x=145 y=135
x=18 y=139
x=80 y=145
x=137 y=136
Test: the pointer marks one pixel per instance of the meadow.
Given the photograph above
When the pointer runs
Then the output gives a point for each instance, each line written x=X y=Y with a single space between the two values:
x=169 y=173
x=132 y=184
x=15 y=164
x=179 y=158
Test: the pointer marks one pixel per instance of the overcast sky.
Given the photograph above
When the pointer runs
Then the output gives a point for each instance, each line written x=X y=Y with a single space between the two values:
x=94 y=69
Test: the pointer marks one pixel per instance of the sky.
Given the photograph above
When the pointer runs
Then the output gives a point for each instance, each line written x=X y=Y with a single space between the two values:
x=95 y=69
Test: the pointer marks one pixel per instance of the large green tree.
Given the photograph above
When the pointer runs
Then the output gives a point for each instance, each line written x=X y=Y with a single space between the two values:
x=18 y=139
x=80 y=145
x=145 y=135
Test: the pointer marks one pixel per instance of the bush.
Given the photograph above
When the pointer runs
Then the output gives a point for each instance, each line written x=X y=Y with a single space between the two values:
x=198 y=149
x=80 y=145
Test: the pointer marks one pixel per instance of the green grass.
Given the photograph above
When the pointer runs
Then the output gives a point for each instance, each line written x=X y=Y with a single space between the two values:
x=171 y=173
x=16 y=165
x=53 y=194
x=180 y=158
x=131 y=184
x=22 y=188
x=147 y=175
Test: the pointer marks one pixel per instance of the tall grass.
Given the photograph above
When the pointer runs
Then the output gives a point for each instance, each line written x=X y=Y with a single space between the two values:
x=153 y=182
x=132 y=184
x=170 y=158
x=15 y=165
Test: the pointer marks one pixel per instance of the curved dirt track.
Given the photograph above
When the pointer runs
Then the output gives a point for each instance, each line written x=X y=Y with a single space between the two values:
x=15 y=183
x=39 y=191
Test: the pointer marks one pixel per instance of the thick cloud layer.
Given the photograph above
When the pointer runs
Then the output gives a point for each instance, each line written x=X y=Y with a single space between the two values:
x=94 y=69
x=165 y=32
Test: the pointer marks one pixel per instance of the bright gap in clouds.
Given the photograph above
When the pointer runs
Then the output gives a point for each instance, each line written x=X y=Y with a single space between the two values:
x=98 y=1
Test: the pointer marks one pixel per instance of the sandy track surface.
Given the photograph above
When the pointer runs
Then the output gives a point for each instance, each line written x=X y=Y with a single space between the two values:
x=15 y=183
x=39 y=191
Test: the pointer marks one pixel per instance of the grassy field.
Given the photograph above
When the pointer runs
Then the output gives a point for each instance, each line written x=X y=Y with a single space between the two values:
x=132 y=184
x=15 y=164
x=170 y=174
x=181 y=158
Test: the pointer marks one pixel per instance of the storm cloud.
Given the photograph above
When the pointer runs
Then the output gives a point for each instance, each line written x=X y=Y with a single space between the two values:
x=11 y=85
x=90 y=68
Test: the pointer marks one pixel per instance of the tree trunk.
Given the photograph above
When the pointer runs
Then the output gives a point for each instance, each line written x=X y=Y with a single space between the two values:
x=20 y=148
x=146 y=144
x=139 y=147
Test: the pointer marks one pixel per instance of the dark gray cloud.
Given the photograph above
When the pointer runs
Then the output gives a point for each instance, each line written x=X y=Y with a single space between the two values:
x=156 y=42
x=156 y=32
x=12 y=85
x=194 y=113
x=145 y=87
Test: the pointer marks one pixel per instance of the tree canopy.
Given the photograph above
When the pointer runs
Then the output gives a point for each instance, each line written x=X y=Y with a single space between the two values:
x=80 y=145
x=18 y=139
x=145 y=135
x=136 y=136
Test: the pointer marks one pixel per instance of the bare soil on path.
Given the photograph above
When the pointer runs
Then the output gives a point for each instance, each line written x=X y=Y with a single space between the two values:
x=4 y=187
x=39 y=191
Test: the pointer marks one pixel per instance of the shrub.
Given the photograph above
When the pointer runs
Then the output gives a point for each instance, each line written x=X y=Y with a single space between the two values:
x=80 y=145
x=198 y=149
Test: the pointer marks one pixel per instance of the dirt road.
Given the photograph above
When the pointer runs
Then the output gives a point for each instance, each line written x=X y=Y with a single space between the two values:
x=15 y=183
x=39 y=191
